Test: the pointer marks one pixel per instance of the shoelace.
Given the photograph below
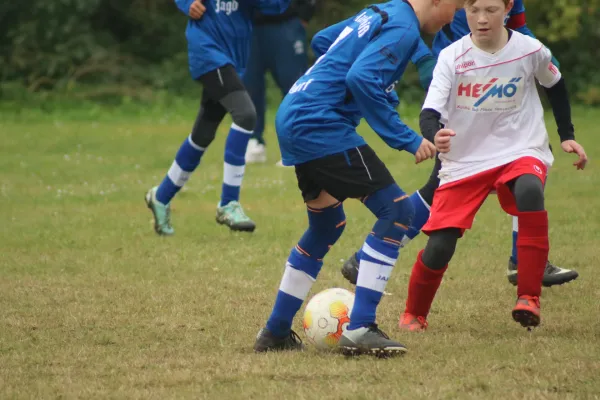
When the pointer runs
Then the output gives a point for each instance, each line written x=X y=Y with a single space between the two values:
x=294 y=338
x=168 y=217
x=375 y=328
x=237 y=211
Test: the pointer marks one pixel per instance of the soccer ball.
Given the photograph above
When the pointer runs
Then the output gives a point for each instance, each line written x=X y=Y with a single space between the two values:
x=327 y=316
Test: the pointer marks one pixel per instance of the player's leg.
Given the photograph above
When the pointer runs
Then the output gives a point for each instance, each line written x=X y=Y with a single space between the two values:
x=225 y=86
x=553 y=275
x=287 y=58
x=521 y=192
x=186 y=160
x=366 y=177
x=421 y=201
x=426 y=277
x=254 y=80
x=452 y=212
x=326 y=222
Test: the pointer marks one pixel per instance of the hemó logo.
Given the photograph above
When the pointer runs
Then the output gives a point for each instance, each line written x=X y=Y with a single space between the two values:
x=537 y=169
x=226 y=7
x=484 y=91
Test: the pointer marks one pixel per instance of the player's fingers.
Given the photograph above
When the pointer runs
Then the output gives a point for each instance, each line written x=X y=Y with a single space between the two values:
x=430 y=150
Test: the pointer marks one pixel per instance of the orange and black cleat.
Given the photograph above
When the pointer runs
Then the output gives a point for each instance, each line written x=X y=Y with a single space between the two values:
x=527 y=311
x=410 y=322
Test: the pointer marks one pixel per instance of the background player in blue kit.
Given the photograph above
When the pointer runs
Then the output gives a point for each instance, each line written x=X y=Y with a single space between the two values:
x=425 y=60
x=278 y=47
x=218 y=48
x=361 y=60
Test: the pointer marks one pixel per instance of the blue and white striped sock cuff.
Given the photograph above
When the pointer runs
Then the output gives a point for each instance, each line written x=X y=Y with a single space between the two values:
x=177 y=175
x=295 y=282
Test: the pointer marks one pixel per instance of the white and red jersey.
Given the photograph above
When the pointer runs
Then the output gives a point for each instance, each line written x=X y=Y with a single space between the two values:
x=491 y=102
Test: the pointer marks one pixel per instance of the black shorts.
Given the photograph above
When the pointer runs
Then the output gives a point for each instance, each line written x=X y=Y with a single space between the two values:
x=353 y=173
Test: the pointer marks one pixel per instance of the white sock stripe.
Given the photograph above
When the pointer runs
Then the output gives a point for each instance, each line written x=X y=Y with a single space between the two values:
x=423 y=200
x=233 y=175
x=240 y=129
x=194 y=145
x=373 y=276
x=295 y=282
x=515 y=224
x=178 y=176
x=368 y=250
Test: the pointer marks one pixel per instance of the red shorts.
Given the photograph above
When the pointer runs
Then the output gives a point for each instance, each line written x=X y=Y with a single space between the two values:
x=456 y=203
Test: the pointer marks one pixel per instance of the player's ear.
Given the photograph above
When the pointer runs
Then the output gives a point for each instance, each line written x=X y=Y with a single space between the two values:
x=509 y=6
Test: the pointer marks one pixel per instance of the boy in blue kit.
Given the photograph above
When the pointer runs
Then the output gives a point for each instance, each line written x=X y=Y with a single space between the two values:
x=361 y=59
x=423 y=198
x=218 y=49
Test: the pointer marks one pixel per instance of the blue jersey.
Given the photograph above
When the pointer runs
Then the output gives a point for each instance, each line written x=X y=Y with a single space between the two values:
x=459 y=28
x=223 y=34
x=363 y=58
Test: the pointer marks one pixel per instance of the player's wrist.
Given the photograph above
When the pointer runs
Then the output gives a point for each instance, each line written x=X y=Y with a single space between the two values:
x=413 y=146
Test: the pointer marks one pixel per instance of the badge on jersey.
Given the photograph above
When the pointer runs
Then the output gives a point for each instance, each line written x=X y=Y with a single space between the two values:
x=489 y=94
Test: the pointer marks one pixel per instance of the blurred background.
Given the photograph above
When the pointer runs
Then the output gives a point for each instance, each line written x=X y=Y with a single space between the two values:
x=115 y=51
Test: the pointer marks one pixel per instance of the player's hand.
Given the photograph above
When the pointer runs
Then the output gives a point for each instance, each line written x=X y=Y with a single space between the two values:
x=571 y=146
x=426 y=150
x=442 y=140
x=197 y=9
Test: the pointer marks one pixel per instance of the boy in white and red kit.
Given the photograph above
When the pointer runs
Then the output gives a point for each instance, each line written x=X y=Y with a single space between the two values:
x=494 y=138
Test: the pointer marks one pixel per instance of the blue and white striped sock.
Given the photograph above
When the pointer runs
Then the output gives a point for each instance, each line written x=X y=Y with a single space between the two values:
x=187 y=159
x=376 y=265
x=235 y=163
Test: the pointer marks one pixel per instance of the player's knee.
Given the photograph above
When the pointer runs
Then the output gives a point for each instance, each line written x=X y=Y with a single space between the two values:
x=440 y=248
x=529 y=193
x=394 y=212
x=244 y=114
x=327 y=223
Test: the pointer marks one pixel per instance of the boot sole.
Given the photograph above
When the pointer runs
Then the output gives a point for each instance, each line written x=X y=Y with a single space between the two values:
x=564 y=278
x=386 y=352
x=526 y=318
x=236 y=228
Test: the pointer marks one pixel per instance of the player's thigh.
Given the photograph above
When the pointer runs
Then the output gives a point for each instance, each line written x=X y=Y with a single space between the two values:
x=505 y=184
x=456 y=203
x=354 y=173
x=221 y=82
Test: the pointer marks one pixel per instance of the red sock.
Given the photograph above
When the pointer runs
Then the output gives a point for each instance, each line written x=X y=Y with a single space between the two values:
x=424 y=283
x=532 y=251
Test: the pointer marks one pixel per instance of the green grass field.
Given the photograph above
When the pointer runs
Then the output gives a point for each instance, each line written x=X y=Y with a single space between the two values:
x=94 y=305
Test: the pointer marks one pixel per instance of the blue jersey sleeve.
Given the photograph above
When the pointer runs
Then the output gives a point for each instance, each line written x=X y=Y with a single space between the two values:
x=324 y=38
x=421 y=51
x=518 y=8
x=372 y=73
x=184 y=5
x=272 y=7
